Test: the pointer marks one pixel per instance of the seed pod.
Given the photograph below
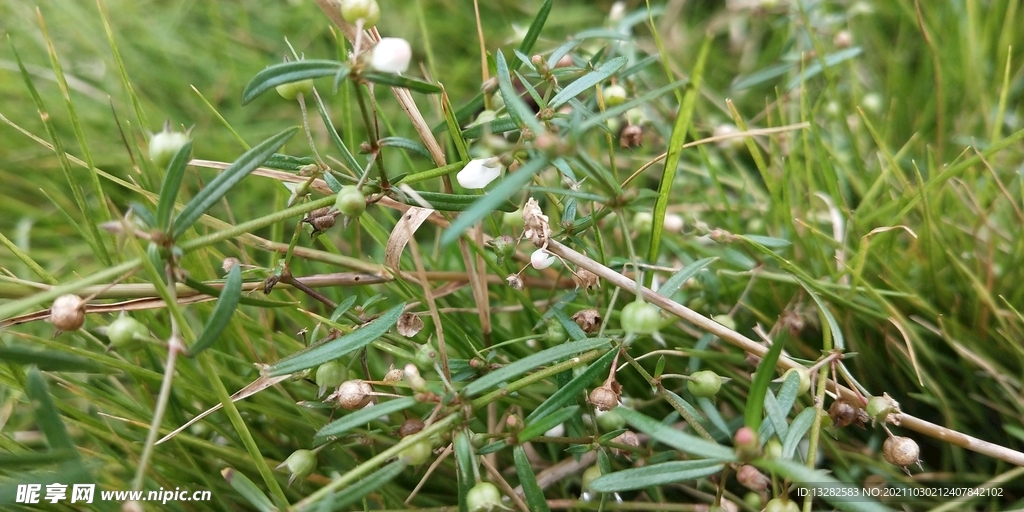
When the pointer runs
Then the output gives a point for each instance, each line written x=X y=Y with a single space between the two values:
x=842 y=412
x=632 y=136
x=514 y=281
x=300 y=463
x=586 y=279
x=880 y=407
x=321 y=219
x=781 y=505
x=627 y=438
x=409 y=324
x=639 y=317
x=394 y=375
x=704 y=384
x=589 y=476
x=417 y=453
x=555 y=333
x=504 y=247
x=484 y=497
x=353 y=394
x=68 y=313
x=126 y=330
x=805 y=379
x=901 y=451
x=410 y=427
x=330 y=375
x=588 y=319
x=292 y=90
x=606 y=397
x=610 y=420
x=751 y=478
x=350 y=201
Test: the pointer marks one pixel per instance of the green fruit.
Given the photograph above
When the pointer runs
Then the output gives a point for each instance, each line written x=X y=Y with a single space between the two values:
x=614 y=95
x=555 y=333
x=805 y=379
x=610 y=420
x=781 y=505
x=350 y=201
x=589 y=476
x=366 y=10
x=126 y=330
x=879 y=407
x=704 y=384
x=164 y=145
x=773 y=449
x=417 y=453
x=483 y=497
x=331 y=374
x=426 y=356
x=639 y=317
x=300 y=464
x=291 y=90
x=643 y=222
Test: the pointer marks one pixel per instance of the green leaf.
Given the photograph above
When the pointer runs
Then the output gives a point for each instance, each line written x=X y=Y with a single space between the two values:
x=767 y=241
x=248 y=490
x=496 y=126
x=526 y=46
x=288 y=162
x=517 y=108
x=776 y=418
x=341 y=426
x=496 y=446
x=50 y=360
x=144 y=214
x=376 y=480
x=655 y=475
x=546 y=422
x=797 y=428
x=528 y=480
x=532 y=362
x=227 y=179
x=587 y=81
x=170 y=186
x=449 y=202
x=833 y=326
x=567 y=394
x=406 y=144
x=226 y=304
x=466 y=462
x=286 y=73
x=669 y=435
x=830 y=60
x=47 y=416
x=334 y=349
x=684 y=118
x=820 y=479
x=405 y=82
x=759 y=386
x=343 y=307
x=511 y=184
x=679 y=278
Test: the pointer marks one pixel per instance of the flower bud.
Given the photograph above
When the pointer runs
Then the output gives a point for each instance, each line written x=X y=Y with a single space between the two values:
x=164 y=145
x=300 y=463
x=746 y=443
x=673 y=223
x=541 y=259
x=643 y=222
x=366 y=10
x=805 y=379
x=68 y=313
x=504 y=247
x=414 y=379
x=391 y=55
x=479 y=173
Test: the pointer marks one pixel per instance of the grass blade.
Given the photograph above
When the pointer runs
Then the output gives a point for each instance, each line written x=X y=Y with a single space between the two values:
x=533 y=361
x=50 y=360
x=546 y=422
x=248 y=490
x=759 y=386
x=47 y=415
x=337 y=348
x=227 y=179
x=226 y=305
x=533 y=33
x=288 y=72
x=587 y=81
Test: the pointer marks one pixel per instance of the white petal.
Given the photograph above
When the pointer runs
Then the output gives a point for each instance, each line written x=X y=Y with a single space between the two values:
x=479 y=173
x=391 y=55
x=541 y=259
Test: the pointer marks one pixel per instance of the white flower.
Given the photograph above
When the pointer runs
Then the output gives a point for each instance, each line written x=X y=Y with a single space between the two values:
x=541 y=259
x=479 y=173
x=391 y=55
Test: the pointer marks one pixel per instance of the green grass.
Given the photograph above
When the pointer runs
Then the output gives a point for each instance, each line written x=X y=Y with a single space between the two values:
x=867 y=221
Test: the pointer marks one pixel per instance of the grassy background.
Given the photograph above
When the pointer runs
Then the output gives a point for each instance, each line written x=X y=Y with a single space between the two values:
x=931 y=307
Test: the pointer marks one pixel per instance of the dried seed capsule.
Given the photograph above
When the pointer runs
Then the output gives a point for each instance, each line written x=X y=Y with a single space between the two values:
x=410 y=427
x=484 y=497
x=588 y=319
x=353 y=394
x=842 y=412
x=605 y=397
x=751 y=478
x=901 y=451
x=68 y=313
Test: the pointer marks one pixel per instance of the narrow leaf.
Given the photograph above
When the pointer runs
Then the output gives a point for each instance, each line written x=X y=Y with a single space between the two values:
x=528 y=480
x=227 y=179
x=226 y=305
x=567 y=394
x=371 y=483
x=144 y=214
x=47 y=415
x=170 y=186
x=767 y=241
x=532 y=362
x=334 y=349
x=404 y=82
x=671 y=436
x=248 y=490
x=532 y=34
x=797 y=428
x=341 y=426
x=406 y=144
x=50 y=360
x=517 y=108
x=466 y=462
x=511 y=184
x=286 y=73
x=833 y=326
x=587 y=81
x=496 y=126
x=759 y=386
x=838 y=493
x=679 y=278
x=545 y=423
x=656 y=474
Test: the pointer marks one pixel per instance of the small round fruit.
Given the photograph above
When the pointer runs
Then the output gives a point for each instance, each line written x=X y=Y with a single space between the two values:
x=410 y=427
x=417 y=453
x=901 y=451
x=555 y=333
x=164 y=145
x=366 y=10
x=614 y=95
x=126 y=330
x=291 y=90
x=331 y=374
x=354 y=394
x=350 y=201
x=879 y=407
x=68 y=312
x=300 y=464
x=842 y=412
x=640 y=317
x=781 y=505
x=704 y=384
x=589 y=476
x=805 y=379
x=773 y=449
x=643 y=222
x=610 y=420
x=484 y=497
x=604 y=398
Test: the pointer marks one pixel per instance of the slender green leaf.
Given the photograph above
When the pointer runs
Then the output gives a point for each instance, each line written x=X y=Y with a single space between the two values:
x=681 y=127
x=170 y=186
x=532 y=362
x=461 y=147
x=334 y=349
x=47 y=416
x=144 y=214
x=776 y=418
x=341 y=426
x=449 y=202
x=248 y=490
x=286 y=73
x=496 y=446
x=838 y=341
x=767 y=241
x=465 y=459
x=567 y=394
x=517 y=108
x=406 y=144
x=227 y=179
x=655 y=475
x=677 y=280
x=496 y=126
x=528 y=480
x=759 y=386
x=587 y=81
x=405 y=82
x=288 y=162
x=371 y=483
x=797 y=428
x=838 y=492
x=669 y=435
x=343 y=307
x=526 y=46
x=573 y=330
x=830 y=60
x=511 y=184
x=50 y=360
x=226 y=305
x=546 y=422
